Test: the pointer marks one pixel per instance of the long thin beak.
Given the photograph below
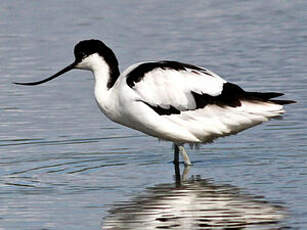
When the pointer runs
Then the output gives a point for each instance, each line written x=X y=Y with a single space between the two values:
x=66 y=69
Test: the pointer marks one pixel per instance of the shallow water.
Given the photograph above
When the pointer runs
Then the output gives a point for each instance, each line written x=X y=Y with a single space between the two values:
x=194 y=203
x=63 y=165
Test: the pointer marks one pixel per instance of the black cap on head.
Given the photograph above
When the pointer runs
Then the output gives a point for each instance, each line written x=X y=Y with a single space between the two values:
x=87 y=47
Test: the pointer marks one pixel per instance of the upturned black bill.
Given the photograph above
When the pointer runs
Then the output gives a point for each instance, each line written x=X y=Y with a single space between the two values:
x=66 y=69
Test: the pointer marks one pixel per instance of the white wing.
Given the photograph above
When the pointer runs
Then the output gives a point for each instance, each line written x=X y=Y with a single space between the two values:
x=167 y=87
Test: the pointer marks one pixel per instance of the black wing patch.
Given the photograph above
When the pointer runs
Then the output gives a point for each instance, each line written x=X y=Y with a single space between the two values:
x=230 y=96
x=137 y=74
x=163 y=111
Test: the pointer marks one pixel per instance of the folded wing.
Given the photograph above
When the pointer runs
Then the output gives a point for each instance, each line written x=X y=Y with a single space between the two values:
x=199 y=100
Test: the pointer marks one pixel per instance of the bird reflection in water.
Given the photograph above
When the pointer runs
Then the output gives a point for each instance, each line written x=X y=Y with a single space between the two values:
x=195 y=203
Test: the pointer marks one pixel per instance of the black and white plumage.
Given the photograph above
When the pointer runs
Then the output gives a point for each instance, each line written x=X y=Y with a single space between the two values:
x=173 y=101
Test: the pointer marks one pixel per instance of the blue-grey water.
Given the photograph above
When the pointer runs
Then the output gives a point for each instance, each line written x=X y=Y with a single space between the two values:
x=63 y=165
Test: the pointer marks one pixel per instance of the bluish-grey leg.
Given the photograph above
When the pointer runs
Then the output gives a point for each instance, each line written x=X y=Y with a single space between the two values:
x=185 y=156
x=180 y=179
x=185 y=173
x=179 y=148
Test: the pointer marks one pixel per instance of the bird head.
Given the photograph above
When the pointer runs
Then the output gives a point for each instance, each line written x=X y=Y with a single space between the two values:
x=88 y=54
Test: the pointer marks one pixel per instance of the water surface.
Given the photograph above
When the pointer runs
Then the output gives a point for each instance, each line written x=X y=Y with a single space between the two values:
x=63 y=165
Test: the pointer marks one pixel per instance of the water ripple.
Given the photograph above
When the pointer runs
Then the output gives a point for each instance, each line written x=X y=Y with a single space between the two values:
x=40 y=141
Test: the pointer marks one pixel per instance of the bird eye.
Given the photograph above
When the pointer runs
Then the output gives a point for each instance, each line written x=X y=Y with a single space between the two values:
x=83 y=55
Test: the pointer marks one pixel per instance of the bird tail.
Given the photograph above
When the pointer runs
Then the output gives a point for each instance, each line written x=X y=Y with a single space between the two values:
x=267 y=97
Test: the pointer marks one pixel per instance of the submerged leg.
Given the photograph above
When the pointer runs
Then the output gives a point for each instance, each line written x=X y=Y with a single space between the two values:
x=176 y=154
x=177 y=174
x=179 y=148
x=179 y=179
x=185 y=172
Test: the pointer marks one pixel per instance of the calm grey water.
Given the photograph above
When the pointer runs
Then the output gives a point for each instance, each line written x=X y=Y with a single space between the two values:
x=63 y=165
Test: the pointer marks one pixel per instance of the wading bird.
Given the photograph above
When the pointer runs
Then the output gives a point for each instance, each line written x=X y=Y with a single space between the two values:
x=173 y=101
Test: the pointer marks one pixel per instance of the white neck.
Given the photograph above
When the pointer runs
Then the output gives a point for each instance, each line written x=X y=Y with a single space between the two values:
x=104 y=95
x=98 y=66
x=102 y=75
